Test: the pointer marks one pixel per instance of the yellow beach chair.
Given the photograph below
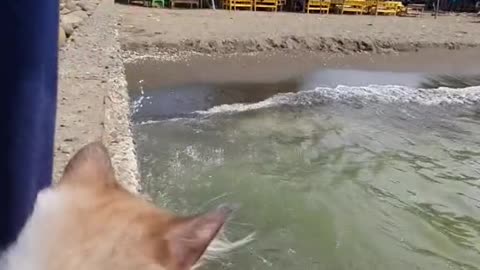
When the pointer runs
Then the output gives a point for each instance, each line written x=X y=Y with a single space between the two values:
x=354 y=6
x=238 y=4
x=401 y=9
x=385 y=8
x=269 y=5
x=322 y=6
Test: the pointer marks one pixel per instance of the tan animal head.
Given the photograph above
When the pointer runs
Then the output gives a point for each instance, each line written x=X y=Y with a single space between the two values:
x=89 y=222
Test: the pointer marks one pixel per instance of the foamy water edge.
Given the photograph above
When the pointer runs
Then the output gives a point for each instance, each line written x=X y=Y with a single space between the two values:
x=371 y=93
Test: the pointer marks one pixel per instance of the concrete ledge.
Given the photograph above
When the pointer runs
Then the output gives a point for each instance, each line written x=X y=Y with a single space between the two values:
x=93 y=101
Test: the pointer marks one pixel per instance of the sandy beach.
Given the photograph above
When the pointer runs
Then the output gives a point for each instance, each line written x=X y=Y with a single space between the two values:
x=220 y=31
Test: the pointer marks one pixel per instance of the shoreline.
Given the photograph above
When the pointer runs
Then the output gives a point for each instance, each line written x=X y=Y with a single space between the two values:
x=150 y=72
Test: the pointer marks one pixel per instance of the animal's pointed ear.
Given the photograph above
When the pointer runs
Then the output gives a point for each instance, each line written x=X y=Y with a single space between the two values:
x=188 y=239
x=91 y=165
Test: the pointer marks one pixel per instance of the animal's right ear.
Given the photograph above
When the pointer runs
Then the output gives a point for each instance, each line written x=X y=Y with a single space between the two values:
x=91 y=166
x=188 y=239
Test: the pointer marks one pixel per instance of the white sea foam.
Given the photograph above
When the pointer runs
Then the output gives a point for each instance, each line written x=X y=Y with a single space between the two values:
x=372 y=93
x=346 y=94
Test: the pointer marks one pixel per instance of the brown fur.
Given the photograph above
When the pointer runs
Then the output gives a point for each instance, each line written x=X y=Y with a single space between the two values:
x=104 y=227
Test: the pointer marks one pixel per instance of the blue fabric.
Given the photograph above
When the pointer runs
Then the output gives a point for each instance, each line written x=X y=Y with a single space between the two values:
x=28 y=83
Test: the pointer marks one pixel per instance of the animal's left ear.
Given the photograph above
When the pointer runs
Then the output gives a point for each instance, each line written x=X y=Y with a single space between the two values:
x=188 y=240
x=90 y=166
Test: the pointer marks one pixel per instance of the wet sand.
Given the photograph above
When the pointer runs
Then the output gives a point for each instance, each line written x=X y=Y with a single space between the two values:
x=268 y=68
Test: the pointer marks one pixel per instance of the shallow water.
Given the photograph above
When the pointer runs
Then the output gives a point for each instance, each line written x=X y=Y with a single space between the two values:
x=358 y=176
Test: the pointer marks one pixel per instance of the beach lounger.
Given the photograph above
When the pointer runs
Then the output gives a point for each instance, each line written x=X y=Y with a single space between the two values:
x=322 y=6
x=415 y=9
x=189 y=3
x=269 y=5
x=145 y=3
x=354 y=6
x=160 y=3
x=238 y=4
x=385 y=8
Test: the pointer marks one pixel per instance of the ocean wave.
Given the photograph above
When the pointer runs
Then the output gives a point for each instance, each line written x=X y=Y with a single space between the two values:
x=346 y=94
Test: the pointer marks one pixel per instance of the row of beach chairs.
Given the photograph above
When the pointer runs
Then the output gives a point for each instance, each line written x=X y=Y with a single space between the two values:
x=358 y=6
x=322 y=6
x=266 y=5
x=380 y=7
